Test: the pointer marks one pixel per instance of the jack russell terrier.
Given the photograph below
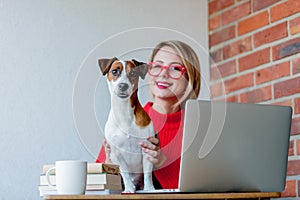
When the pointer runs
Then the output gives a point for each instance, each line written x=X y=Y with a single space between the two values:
x=128 y=123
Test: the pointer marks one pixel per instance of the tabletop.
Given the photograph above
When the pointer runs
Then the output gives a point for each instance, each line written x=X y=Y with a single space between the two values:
x=243 y=195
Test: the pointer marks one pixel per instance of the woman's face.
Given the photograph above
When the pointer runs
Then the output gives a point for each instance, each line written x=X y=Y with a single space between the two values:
x=163 y=86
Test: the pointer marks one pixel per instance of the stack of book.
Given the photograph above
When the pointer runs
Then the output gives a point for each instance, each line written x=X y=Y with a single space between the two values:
x=102 y=178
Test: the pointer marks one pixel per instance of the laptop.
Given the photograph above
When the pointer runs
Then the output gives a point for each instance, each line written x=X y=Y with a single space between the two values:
x=233 y=147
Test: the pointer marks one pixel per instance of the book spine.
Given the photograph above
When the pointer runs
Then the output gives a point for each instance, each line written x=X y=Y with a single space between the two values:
x=92 y=168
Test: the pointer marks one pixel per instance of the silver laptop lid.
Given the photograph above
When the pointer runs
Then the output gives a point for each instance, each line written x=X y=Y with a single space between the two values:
x=234 y=147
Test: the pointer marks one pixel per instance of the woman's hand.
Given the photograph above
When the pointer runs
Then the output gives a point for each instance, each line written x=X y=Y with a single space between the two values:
x=156 y=157
x=107 y=151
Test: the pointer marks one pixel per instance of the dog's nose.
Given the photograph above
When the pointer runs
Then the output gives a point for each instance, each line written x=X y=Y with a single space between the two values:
x=123 y=86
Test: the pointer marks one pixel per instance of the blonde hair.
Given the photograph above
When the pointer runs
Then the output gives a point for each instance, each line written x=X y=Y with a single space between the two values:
x=190 y=61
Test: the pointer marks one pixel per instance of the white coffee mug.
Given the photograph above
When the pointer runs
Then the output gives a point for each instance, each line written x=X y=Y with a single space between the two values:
x=70 y=177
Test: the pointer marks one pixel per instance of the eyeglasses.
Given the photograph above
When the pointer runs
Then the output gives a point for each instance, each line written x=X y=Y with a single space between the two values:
x=174 y=71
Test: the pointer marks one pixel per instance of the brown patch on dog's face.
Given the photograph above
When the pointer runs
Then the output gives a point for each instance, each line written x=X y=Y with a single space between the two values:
x=132 y=73
x=117 y=68
x=115 y=71
x=105 y=64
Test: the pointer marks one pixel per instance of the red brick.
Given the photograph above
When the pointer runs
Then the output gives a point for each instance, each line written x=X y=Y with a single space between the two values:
x=261 y=4
x=293 y=167
x=223 y=70
x=255 y=59
x=296 y=65
x=236 y=13
x=287 y=88
x=238 y=47
x=257 y=95
x=253 y=22
x=273 y=72
x=217 y=5
x=298 y=147
x=290 y=189
x=291 y=148
x=270 y=34
x=285 y=49
x=285 y=9
x=239 y=83
x=295 y=26
x=214 y=22
x=283 y=103
x=295 y=129
x=222 y=35
x=233 y=98
x=216 y=89
x=214 y=74
x=298 y=188
x=297 y=105
x=216 y=56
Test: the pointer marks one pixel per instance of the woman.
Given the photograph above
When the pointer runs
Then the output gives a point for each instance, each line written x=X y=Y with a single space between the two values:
x=174 y=77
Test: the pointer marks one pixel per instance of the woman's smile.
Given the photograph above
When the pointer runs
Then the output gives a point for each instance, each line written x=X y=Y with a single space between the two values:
x=163 y=84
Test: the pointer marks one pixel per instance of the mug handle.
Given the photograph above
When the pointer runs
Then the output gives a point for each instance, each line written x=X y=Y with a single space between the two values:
x=48 y=178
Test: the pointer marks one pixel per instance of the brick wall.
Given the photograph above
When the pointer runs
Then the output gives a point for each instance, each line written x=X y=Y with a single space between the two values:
x=255 y=51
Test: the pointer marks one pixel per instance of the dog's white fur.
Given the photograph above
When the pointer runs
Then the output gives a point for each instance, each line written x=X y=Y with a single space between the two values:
x=122 y=132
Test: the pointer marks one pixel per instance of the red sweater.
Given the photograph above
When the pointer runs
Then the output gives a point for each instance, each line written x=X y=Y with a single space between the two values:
x=169 y=128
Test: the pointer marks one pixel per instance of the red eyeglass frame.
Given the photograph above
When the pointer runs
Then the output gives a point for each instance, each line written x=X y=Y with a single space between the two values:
x=166 y=67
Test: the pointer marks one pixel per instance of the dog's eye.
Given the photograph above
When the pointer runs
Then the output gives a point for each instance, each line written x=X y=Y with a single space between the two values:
x=132 y=73
x=115 y=72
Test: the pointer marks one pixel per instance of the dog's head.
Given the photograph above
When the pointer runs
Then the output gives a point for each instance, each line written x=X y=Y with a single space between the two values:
x=122 y=76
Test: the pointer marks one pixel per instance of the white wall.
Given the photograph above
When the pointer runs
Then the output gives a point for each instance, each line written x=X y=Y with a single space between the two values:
x=48 y=74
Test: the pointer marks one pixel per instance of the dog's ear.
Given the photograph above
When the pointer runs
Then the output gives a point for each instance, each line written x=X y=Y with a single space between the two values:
x=105 y=64
x=143 y=68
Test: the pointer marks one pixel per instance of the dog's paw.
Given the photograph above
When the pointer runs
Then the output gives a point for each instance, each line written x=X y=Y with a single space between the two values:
x=129 y=190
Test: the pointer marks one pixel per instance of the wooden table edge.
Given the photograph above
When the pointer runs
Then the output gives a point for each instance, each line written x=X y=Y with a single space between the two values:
x=246 y=195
